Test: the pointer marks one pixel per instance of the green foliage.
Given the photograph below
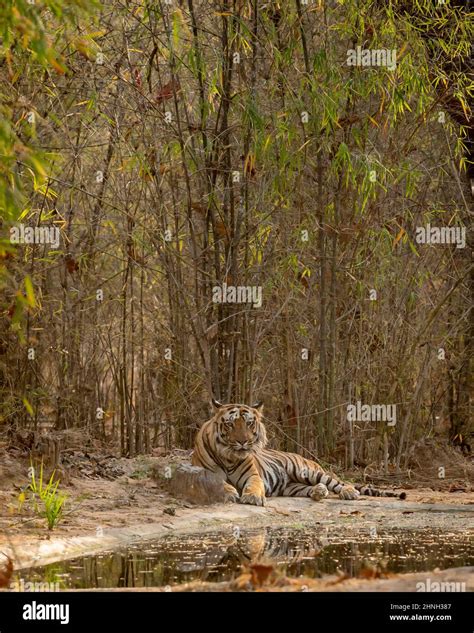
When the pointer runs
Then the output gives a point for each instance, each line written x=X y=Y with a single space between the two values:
x=30 y=37
x=27 y=32
x=48 y=500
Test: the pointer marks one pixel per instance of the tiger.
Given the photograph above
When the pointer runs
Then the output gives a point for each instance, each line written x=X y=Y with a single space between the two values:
x=233 y=444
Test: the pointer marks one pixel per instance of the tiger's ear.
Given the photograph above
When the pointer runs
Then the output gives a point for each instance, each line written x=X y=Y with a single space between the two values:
x=216 y=404
x=258 y=406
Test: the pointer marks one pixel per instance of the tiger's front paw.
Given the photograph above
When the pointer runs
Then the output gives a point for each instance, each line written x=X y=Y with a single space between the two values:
x=349 y=493
x=253 y=499
x=232 y=497
x=319 y=492
x=231 y=494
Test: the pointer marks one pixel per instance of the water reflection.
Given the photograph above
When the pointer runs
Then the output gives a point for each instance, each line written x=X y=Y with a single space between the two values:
x=220 y=555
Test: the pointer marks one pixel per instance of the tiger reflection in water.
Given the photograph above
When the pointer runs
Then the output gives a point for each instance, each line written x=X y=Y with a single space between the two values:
x=273 y=545
x=252 y=546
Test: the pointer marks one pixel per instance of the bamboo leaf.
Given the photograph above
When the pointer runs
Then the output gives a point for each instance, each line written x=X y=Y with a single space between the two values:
x=28 y=407
x=30 y=293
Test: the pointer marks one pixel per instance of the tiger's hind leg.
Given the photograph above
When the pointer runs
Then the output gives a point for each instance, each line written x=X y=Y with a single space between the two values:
x=317 y=492
x=308 y=472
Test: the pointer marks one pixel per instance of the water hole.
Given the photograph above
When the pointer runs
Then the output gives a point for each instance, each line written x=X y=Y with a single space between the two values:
x=219 y=556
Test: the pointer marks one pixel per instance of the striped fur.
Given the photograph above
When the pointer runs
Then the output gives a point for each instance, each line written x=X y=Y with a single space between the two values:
x=233 y=443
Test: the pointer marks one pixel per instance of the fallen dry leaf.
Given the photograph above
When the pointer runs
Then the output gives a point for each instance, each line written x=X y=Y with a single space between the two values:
x=370 y=572
x=283 y=512
x=6 y=571
x=341 y=578
x=457 y=487
x=260 y=573
x=242 y=582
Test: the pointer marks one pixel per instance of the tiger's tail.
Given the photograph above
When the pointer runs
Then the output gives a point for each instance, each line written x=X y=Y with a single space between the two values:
x=374 y=492
x=335 y=485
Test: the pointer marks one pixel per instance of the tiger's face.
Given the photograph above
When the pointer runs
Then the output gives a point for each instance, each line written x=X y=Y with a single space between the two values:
x=239 y=428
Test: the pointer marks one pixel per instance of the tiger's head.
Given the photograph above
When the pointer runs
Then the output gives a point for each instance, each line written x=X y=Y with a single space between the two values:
x=239 y=429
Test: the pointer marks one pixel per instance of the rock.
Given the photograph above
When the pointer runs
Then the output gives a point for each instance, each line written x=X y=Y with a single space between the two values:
x=197 y=485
